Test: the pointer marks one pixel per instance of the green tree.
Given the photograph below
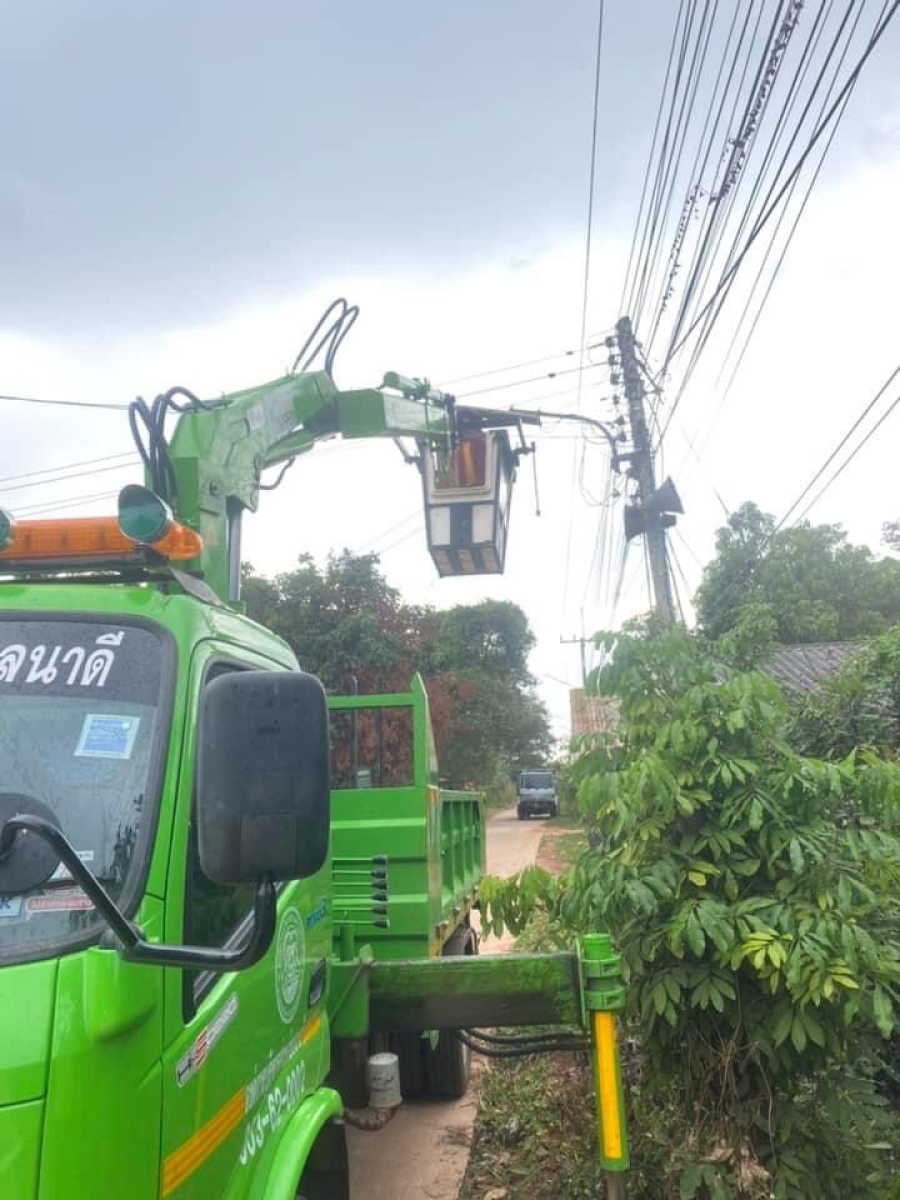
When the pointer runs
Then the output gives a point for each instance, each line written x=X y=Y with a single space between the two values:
x=493 y=636
x=345 y=622
x=860 y=706
x=503 y=728
x=814 y=584
x=753 y=894
x=349 y=626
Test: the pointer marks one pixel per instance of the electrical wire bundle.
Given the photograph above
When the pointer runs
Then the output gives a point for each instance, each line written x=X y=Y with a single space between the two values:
x=343 y=317
x=151 y=442
x=151 y=439
x=501 y=1045
x=776 y=93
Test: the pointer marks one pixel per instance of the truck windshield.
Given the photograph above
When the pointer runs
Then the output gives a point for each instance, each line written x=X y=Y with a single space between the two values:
x=534 y=781
x=80 y=716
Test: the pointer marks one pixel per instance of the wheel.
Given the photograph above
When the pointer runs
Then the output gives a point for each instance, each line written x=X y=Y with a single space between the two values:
x=348 y=1070
x=327 y=1174
x=448 y=1065
x=410 y=1050
x=521 y=813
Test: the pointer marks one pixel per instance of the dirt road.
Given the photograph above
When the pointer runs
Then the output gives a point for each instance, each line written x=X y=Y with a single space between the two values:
x=422 y=1154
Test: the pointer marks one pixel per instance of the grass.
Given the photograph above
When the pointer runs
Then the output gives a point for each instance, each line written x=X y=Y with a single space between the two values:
x=562 y=845
x=535 y=1135
x=535 y=1138
x=563 y=822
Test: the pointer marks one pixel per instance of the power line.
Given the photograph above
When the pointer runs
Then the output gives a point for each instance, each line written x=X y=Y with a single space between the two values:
x=711 y=317
x=742 y=147
x=419 y=529
x=369 y=545
x=528 y=362
x=18 y=487
x=846 y=463
x=590 y=208
x=651 y=216
x=718 y=213
x=595 y=122
x=659 y=112
x=688 y=547
x=710 y=312
x=663 y=166
x=784 y=249
x=726 y=190
x=34 y=509
x=64 y=403
x=688 y=101
x=85 y=462
x=670 y=559
x=698 y=170
x=500 y=387
x=620 y=579
x=836 y=451
x=770 y=208
x=781 y=123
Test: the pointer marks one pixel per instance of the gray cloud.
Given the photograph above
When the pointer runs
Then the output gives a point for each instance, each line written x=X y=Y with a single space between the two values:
x=168 y=162
x=167 y=159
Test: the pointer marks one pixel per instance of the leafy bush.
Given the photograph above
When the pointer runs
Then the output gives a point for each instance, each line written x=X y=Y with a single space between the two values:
x=860 y=706
x=753 y=893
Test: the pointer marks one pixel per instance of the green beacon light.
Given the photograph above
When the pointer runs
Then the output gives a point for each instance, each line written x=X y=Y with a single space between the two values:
x=7 y=529
x=143 y=516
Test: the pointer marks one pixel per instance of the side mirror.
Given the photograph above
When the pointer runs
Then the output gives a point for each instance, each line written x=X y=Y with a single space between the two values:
x=263 y=789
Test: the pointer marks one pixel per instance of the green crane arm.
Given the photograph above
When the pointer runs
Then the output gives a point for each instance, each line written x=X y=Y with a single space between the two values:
x=219 y=450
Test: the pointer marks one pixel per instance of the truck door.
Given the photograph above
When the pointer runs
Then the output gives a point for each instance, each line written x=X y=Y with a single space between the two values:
x=243 y=1047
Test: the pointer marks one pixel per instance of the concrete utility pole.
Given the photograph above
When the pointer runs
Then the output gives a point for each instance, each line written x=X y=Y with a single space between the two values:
x=642 y=463
x=582 y=642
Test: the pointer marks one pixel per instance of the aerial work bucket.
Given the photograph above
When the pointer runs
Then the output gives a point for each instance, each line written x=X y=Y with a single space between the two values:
x=467 y=492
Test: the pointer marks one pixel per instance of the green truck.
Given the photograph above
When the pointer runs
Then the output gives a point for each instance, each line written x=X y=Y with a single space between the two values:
x=200 y=938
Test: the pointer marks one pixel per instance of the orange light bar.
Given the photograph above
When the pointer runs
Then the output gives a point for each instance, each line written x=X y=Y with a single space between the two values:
x=178 y=543
x=92 y=537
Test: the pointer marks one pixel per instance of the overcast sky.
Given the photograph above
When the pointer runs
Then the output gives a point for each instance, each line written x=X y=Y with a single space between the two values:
x=183 y=187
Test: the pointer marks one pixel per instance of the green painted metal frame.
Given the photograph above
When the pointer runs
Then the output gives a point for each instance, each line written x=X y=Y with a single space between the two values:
x=220 y=451
x=476 y=991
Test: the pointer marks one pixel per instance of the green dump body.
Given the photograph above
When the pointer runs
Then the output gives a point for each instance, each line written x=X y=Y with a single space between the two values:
x=393 y=824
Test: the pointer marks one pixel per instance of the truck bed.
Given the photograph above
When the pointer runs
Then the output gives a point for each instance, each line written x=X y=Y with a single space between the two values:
x=428 y=841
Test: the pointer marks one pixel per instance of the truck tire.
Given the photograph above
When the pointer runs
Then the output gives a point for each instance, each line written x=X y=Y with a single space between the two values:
x=410 y=1050
x=327 y=1174
x=448 y=1065
x=521 y=813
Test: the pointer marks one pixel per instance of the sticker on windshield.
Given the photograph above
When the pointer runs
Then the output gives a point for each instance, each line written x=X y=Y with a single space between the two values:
x=104 y=736
x=63 y=872
x=10 y=906
x=74 y=901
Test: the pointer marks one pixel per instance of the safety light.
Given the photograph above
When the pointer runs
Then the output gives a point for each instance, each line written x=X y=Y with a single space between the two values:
x=98 y=539
x=143 y=516
x=146 y=519
x=467 y=495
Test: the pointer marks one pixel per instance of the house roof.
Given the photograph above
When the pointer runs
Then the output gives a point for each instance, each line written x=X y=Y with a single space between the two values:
x=804 y=668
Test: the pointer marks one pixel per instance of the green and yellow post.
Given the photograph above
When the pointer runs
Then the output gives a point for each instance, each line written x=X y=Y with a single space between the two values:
x=604 y=996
